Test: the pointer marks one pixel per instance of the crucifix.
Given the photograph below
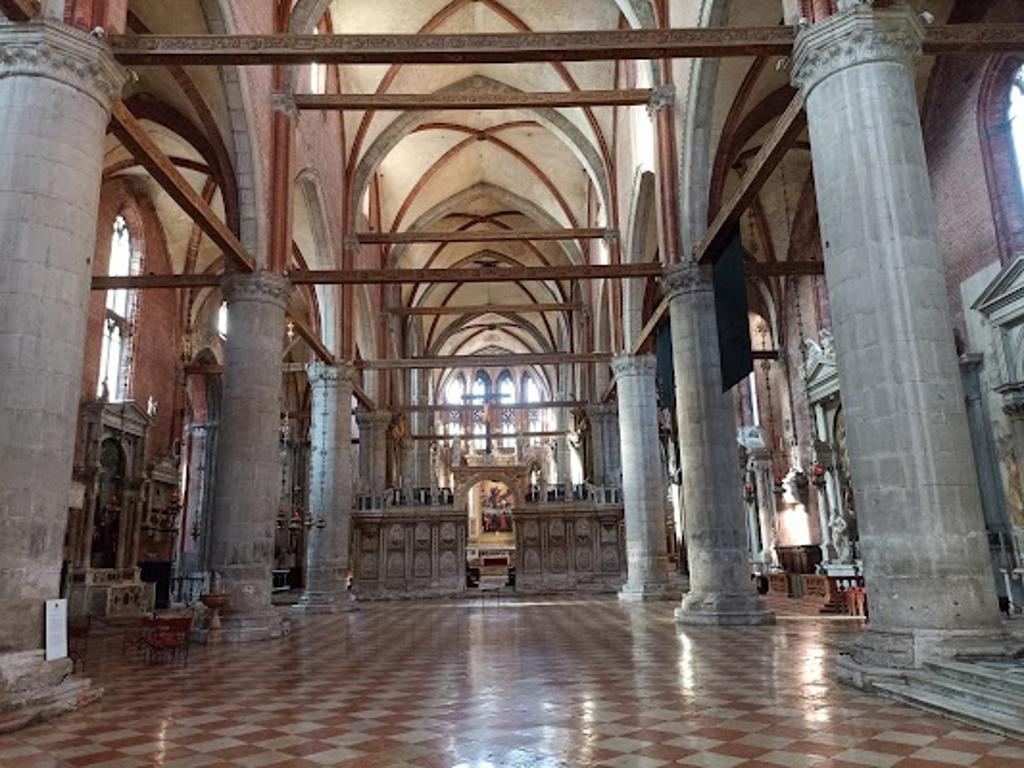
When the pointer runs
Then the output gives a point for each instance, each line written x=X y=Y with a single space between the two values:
x=488 y=400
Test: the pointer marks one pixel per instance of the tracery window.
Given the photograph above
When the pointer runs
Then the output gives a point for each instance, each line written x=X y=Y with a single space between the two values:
x=115 y=378
x=507 y=396
x=534 y=417
x=454 y=394
x=481 y=393
x=1016 y=118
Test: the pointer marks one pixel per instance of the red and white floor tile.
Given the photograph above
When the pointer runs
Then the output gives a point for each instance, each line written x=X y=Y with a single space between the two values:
x=524 y=684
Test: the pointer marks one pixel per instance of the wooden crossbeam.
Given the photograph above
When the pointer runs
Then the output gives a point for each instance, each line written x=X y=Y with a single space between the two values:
x=494 y=436
x=496 y=48
x=131 y=133
x=397 y=276
x=445 y=408
x=511 y=48
x=480 y=100
x=18 y=10
x=786 y=269
x=484 y=361
x=481 y=274
x=311 y=338
x=787 y=129
x=489 y=236
x=475 y=309
x=143 y=148
x=497 y=274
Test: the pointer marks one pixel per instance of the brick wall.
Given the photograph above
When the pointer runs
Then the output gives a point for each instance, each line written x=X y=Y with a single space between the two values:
x=956 y=145
x=156 y=341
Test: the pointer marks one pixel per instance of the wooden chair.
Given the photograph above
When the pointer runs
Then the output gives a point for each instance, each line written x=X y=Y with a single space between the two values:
x=78 y=642
x=168 y=637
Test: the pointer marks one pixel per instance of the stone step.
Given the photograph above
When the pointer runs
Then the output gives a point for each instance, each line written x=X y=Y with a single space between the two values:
x=953 y=707
x=1005 y=676
x=979 y=695
x=34 y=706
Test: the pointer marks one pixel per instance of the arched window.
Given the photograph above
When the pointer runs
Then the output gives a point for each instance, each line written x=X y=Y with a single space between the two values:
x=535 y=416
x=222 y=320
x=317 y=74
x=454 y=394
x=507 y=396
x=115 y=377
x=1016 y=118
x=481 y=394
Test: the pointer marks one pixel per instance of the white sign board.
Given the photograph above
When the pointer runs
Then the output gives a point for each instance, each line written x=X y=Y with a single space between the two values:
x=56 y=629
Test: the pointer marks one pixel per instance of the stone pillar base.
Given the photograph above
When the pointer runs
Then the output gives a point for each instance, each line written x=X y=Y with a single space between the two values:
x=271 y=624
x=719 y=609
x=317 y=603
x=649 y=592
x=33 y=690
x=876 y=655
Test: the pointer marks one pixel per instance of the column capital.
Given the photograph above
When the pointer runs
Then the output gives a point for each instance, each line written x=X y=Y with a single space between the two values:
x=321 y=374
x=601 y=411
x=373 y=418
x=52 y=50
x=633 y=365
x=662 y=97
x=859 y=35
x=261 y=286
x=284 y=102
x=686 y=278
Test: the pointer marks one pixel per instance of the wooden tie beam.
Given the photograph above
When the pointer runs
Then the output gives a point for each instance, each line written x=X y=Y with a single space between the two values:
x=492 y=48
x=493 y=437
x=490 y=236
x=144 y=149
x=511 y=48
x=18 y=10
x=478 y=274
x=477 y=309
x=444 y=408
x=484 y=361
x=397 y=276
x=787 y=129
x=130 y=132
x=481 y=100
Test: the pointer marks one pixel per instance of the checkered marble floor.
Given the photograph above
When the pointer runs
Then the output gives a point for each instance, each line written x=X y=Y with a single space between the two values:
x=525 y=683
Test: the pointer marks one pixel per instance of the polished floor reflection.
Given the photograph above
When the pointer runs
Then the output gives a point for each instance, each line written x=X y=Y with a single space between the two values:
x=528 y=683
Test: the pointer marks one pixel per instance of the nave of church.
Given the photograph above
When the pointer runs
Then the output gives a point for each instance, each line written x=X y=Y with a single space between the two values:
x=508 y=382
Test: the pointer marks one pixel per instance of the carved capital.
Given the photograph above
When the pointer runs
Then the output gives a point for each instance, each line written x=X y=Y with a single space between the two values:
x=372 y=419
x=284 y=103
x=261 y=286
x=662 y=97
x=351 y=244
x=55 y=51
x=321 y=374
x=685 y=279
x=633 y=365
x=1014 y=410
x=601 y=411
x=859 y=35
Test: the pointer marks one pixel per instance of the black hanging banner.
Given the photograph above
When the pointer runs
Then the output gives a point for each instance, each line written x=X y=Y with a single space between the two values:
x=730 y=282
x=665 y=373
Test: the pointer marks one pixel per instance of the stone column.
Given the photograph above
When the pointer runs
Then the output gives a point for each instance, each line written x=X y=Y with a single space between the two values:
x=56 y=89
x=927 y=569
x=330 y=489
x=373 y=450
x=604 y=441
x=642 y=486
x=248 y=469
x=721 y=590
